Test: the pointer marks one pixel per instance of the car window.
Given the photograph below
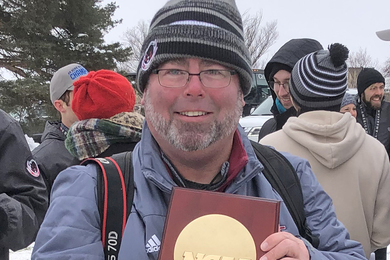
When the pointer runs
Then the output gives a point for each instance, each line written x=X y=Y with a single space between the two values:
x=264 y=108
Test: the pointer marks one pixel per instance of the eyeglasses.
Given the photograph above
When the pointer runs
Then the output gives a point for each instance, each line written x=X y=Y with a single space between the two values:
x=173 y=78
x=276 y=85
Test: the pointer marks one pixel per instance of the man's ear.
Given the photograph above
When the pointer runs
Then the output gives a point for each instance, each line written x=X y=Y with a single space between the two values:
x=59 y=105
x=295 y=105
x=143 y=97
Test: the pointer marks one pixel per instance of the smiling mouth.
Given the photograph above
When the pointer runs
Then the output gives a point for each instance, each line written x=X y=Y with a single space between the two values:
x=193 y=113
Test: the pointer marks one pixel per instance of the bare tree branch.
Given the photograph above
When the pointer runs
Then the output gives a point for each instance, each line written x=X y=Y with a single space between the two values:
x=361 y=59
x=356 y=61
x=134 y=38
x=386 y=69
x=258 y=39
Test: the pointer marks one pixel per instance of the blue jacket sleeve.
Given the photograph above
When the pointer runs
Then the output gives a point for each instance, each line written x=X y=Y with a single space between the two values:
x=321 y=218
x=71 y=228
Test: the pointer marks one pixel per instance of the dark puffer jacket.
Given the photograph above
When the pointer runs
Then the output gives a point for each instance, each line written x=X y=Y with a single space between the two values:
x=23 y=197
x=51 y=155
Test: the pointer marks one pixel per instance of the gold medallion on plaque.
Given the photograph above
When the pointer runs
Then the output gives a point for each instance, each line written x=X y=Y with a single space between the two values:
x=215 y=237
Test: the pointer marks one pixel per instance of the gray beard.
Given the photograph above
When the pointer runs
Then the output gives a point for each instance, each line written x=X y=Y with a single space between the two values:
x=192 y=136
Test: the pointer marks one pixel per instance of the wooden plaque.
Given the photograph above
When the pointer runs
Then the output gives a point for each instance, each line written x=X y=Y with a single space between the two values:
x=204 y=225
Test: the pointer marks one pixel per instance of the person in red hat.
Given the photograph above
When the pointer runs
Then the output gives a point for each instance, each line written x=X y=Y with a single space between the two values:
x=103 y=101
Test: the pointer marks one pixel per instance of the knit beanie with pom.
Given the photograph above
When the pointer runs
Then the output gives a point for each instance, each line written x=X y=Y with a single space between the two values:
x=319 y=79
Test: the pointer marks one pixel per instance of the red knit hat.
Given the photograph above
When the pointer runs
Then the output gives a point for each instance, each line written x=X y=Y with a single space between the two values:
x=102 y=94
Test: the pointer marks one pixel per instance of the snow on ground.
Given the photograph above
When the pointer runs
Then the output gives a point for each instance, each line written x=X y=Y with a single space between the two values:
x=31 y=142
x=23 y=254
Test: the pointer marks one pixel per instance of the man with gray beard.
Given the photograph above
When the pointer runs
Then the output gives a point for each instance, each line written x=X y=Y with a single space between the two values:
x=194 y=75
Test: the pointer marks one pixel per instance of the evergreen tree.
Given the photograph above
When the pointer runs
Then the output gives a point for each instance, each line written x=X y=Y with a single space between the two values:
x=37 y=37
x=43 y=35
x=27 y=100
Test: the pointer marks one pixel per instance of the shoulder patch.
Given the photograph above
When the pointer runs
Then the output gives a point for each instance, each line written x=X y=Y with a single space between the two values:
x=32 y=168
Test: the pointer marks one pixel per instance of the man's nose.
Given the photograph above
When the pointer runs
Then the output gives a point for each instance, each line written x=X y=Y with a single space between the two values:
x=282 y=91
x=194 y=86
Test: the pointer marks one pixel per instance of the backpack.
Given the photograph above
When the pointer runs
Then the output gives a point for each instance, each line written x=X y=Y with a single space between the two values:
x=115 y=204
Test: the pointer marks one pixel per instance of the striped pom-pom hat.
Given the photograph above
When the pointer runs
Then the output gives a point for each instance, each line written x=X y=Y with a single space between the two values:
x=319 y=80
x=205 y=29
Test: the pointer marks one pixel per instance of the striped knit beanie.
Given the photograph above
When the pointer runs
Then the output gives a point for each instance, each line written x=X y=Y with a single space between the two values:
x=205 y=29
x=319 y=79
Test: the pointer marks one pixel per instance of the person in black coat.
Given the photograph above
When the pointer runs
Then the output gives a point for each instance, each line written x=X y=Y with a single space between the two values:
x=373 y=113
x=23 y=195
x=51 y=155
x=277 y=73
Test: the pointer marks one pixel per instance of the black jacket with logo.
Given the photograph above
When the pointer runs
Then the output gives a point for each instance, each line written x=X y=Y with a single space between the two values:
x=23 y=196
x=51 y=155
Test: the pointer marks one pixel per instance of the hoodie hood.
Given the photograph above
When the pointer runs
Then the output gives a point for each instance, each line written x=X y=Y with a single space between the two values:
x=288 y=55
x=331 y=137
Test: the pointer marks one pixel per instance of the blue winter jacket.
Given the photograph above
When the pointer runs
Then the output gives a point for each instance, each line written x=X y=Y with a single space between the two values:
x=71 y=227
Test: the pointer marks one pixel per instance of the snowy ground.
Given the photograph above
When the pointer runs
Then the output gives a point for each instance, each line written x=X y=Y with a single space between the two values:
x=24 y=254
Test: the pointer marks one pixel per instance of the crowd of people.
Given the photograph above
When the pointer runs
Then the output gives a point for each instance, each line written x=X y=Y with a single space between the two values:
x=193 y=76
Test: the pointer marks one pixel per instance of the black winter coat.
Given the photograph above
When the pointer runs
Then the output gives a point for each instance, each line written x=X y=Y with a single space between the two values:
x=23 y=196
x=51 y=155
x=384 y=123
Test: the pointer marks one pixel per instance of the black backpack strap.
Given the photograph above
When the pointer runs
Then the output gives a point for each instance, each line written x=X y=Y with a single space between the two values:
x=115 y=191
x=125 y=162
x=283 y=178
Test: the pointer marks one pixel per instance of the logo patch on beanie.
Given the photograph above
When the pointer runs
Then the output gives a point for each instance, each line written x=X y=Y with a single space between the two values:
x=149 y=55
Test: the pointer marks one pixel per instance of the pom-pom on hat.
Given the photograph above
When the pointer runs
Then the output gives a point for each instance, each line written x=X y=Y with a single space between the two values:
x=367 y=77
x=204 y=29
x=102 y=94
x=319 y=79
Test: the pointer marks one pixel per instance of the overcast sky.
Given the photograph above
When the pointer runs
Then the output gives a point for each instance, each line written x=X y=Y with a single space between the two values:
x=352 y=23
